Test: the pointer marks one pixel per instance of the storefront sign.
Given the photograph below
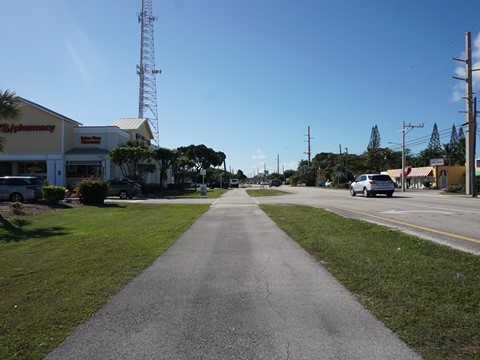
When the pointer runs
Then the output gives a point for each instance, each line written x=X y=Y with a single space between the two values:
x=437 y=162
x=90 y=139
x=14 y=128
x=141 y=137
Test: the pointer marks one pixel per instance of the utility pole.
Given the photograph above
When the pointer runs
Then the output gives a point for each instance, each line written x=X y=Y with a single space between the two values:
x=278 y=164
x=470 y=186
x=146 y=70
x=346 y=163
x=404 y=132
x=308 y=148
x=474 y=177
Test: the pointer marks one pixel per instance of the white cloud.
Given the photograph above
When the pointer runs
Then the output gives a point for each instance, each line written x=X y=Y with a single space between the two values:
x=259 y=154
x=292 y=165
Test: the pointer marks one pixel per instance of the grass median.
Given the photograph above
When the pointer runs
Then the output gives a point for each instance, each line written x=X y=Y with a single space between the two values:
x=58 y=268
x=428 y=294
x=266 y=192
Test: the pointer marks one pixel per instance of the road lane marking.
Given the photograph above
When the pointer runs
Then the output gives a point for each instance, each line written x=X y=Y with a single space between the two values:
x=393 y=212
x=466 y=238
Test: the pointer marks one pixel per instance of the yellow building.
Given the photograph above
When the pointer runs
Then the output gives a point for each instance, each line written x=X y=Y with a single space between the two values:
x=436 y=177
x=47 y=144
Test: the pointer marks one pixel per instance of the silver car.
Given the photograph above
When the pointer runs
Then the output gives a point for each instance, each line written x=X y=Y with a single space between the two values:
x=20 y=188
x=372 y=184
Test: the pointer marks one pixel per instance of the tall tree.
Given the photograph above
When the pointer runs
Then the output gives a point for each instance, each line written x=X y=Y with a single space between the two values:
x=434 y=149
x=374 y=142
x=9 y=110
x=460 y=156
x=374 y=154
x=434 y=146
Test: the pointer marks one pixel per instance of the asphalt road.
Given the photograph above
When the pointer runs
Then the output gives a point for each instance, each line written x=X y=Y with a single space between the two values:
x=233 y=287
x=447 y=219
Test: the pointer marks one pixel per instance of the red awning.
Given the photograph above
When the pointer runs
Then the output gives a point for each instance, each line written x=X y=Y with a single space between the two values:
x=420 y=173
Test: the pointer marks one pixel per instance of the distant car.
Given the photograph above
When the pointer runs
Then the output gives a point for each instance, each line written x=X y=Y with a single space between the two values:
x=124 y=189
x=276 y=183
x=20 y=188
x=234 y=183
x=190 y=185
x=372 y=184
x=218 y=184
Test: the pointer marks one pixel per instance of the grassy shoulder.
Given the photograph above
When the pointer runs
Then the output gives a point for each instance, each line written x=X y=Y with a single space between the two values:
x=190 y=194
x=265 y=192
x=426 y=293
x=59 y=267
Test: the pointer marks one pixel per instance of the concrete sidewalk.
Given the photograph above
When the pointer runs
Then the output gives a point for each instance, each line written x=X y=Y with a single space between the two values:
x=234 y=286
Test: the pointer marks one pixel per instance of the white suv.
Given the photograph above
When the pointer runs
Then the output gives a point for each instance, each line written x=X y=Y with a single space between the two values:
x=372 y=184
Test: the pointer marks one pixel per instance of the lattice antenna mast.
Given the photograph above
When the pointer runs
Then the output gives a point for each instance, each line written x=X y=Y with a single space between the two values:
x=146 y=70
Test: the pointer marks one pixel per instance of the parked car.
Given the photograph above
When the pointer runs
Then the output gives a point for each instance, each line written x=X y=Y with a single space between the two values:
x=20 y=188
x=123 y=188
x=190 y=185
x=218 y=184
x=276 y=183
x=372 y=184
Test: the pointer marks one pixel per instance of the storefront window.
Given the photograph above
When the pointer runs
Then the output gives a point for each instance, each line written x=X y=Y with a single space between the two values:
x=32 y=167
x=6 y=169
x=84 y=169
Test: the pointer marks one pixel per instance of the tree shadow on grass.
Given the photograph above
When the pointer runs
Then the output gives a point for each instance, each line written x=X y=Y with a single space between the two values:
x=15 y=231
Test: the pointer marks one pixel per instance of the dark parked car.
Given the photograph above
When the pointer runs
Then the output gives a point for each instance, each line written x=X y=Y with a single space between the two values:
x=218 y=184
x=20 y=188
x=276 y=183
x=123 y=188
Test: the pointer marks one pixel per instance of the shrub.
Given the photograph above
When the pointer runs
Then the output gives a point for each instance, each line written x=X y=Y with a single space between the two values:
x=457 y=189
x=92 y=192
x=53 y=194
x=17 y=208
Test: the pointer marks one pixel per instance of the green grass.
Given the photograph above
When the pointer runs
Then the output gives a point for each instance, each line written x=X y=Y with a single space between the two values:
x=266 y=192
x=426 y=293
x=58 y=268
x=190 y=194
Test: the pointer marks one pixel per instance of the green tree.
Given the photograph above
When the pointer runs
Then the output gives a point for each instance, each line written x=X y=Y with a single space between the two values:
x=134 y=159
x=165 y=159
x=202 y=156
x=9 y=110
x=434 y=149
x=374 y=142
x=374 y=156
x=459 y=151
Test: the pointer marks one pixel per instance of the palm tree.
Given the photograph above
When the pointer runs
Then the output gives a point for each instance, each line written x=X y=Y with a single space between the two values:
x=9 y=110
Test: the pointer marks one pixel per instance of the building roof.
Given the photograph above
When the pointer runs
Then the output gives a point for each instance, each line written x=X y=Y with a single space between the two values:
x=129 y=123
x=134 y=124
x=31 y=103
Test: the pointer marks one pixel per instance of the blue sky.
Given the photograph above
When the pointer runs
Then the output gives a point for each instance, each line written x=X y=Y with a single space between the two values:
x=247 y=77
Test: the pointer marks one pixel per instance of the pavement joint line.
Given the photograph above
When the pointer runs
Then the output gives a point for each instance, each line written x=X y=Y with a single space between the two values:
x=466 y=238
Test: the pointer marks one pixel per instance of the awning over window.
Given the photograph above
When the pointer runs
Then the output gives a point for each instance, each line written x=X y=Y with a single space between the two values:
x=420 y=173
x=396 y=174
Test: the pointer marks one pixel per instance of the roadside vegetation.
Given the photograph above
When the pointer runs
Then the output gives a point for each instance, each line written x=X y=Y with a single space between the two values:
x=190 y=194
x=426 y=293
x=59 y=267
x=266 y=192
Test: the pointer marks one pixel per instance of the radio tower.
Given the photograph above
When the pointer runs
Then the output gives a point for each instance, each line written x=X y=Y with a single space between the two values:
x=146 y=70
